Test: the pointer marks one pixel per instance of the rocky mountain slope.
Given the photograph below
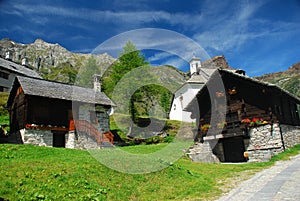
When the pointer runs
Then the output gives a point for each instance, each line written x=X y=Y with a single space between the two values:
x=289 y=79
x=52 y=61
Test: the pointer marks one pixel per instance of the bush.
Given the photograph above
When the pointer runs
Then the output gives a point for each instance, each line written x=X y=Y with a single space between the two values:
x=168 y=139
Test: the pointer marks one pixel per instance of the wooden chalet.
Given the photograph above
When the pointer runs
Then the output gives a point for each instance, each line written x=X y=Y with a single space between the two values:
x=246 y=104
x=56 y=114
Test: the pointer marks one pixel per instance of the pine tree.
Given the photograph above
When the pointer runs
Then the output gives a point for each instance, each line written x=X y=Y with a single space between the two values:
x=129 y=59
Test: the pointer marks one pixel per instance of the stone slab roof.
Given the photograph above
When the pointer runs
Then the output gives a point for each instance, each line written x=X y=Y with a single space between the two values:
x=249 y=79
x=267 y=84
x=17 y=68
x=57 y=90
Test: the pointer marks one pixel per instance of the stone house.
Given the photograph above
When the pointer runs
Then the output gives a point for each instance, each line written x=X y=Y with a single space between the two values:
x=242 y=119
x=48 y=113
x=9 y=70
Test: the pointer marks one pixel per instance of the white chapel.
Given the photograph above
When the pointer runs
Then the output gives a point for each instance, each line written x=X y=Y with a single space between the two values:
x=184 y=95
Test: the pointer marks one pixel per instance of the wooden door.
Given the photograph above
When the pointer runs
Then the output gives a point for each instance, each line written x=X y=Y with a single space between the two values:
x=234 y=149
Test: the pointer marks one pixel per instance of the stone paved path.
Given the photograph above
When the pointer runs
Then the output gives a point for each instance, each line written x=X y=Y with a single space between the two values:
x=280 y=182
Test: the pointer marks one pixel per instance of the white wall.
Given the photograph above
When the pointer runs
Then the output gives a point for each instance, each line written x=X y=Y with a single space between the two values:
x=188 y=92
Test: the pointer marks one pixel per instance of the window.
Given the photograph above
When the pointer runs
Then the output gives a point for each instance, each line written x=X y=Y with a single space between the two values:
x=4 y=75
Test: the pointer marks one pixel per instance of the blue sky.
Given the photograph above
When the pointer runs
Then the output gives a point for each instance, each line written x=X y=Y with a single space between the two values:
x=258 y=36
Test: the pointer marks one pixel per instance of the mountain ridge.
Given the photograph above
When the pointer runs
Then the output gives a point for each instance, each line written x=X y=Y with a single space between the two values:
x=48 y=59
x=55 y=62
x=288 y=79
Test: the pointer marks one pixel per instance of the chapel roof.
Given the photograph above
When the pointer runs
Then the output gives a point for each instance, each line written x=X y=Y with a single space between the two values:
x=201 y=77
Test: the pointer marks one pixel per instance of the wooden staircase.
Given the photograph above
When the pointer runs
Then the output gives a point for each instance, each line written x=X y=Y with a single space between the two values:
x=104 y=140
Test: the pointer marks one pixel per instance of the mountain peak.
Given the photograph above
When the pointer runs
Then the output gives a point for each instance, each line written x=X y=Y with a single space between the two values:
x=38 y=40
x=50 y=60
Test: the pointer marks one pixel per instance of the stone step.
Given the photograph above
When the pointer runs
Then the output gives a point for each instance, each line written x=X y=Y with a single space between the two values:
x=106 y=145
x=202 y=153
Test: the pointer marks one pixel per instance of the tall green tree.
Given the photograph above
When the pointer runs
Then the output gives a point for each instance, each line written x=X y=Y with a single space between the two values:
x=129 y=59
x=165 y=99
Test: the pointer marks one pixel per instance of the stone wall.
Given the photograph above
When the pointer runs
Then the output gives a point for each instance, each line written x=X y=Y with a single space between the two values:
x=202 y=153
x=269 y=140
x=37 y=137
x=70 y=140
x=103 y=119
x=80 y=140
x=291 y=135
x=219 y=151
x=100 y=112
x=265 y=141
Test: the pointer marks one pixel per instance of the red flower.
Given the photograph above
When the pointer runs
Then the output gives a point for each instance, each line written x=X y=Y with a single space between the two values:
x=246 y=121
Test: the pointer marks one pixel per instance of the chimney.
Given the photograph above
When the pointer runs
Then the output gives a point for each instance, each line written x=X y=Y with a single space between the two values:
x=97 y=82
x=24 y=62
x=8 y=56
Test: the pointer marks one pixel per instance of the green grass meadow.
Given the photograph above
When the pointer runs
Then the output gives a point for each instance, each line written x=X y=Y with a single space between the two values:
x=42 y=173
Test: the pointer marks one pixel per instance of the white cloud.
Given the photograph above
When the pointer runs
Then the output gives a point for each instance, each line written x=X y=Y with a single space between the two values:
x=165 y=58
x=230 y=31
x=219 y=26
x=159 y=56
x=156 y=39
x=120 y=17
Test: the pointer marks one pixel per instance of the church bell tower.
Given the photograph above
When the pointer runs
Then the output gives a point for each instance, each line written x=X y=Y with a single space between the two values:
x=195 y=65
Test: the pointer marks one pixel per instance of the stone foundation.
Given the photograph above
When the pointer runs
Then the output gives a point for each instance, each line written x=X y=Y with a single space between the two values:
x=78 y=140
x=291 y=135
x=219 y=152
x=70 y=140
x=84 y=141
x=202 y=153
x=269 y=140
x=265 y=141
x=37 y=137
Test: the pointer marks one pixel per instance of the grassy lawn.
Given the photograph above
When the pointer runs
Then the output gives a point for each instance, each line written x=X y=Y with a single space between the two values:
x=40 y=173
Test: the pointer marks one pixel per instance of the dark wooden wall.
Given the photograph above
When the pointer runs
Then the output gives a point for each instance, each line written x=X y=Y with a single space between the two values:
x=18 y=113
x=262 y=99
x=48 y=111
x=252 y=100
